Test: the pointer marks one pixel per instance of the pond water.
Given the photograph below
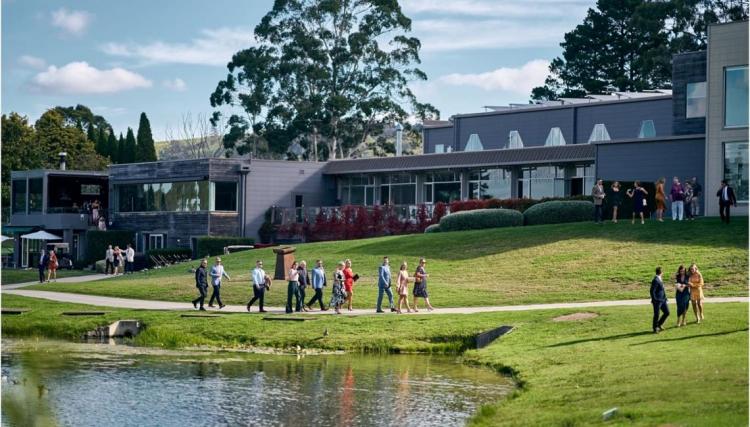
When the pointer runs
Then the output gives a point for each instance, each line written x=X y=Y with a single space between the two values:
x=105 y=385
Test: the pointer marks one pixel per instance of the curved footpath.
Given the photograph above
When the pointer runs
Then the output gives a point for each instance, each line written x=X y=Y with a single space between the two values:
x=167 y=305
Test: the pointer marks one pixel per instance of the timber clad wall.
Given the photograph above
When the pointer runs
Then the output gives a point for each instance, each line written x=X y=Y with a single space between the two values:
x=175 y=225
x=224 y=224
x=437 y=135
x=686 y=68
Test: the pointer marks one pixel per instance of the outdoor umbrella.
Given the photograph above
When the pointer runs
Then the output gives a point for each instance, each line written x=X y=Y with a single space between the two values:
x=4 y=238
x=41 y=235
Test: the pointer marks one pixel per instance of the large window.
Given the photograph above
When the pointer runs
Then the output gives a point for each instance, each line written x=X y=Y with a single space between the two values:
x=735 y=168
x=541 y=182
x=735 y=96
x=489 y=184
x=358 y=190
x=188 y=196
x=398 y=189
x=36 y=188
x=225 y=196
x=442 y=187
x=19 y=196
x=696 y=100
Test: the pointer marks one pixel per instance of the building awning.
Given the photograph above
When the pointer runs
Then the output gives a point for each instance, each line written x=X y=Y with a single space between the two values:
x=41 y=235
x=10 y=229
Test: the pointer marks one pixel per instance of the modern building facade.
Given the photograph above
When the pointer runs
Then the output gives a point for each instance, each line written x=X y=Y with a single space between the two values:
x=557 y=149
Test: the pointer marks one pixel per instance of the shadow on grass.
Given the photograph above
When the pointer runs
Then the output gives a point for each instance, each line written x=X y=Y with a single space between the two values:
x=609 y=338
x=715 y=334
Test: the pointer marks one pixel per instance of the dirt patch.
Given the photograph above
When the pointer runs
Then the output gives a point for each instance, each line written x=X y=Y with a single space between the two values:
x=574 y=317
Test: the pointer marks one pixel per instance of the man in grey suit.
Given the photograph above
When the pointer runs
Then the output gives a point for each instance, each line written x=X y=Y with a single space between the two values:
x=598 y=194
x=384 y=285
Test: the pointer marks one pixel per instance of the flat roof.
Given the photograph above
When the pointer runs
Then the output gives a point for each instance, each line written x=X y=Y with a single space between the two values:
x=58 y=172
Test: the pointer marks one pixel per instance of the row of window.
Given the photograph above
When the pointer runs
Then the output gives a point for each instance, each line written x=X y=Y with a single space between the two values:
x=187 y=196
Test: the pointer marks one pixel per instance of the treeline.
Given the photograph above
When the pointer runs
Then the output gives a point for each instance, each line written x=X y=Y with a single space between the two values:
x=87 y=138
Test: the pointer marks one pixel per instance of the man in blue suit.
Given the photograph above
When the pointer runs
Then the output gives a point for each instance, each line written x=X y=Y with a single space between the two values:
x=659 y=301
x=384 y=285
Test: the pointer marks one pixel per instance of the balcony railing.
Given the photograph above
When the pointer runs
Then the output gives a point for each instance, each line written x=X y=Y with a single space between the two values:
x=286 y=216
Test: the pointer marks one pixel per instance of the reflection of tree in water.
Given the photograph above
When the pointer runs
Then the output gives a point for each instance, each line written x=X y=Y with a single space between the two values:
x=25 y=398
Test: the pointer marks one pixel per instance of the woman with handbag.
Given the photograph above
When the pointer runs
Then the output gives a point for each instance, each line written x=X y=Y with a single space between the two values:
x=420 y=285
x=403 y=288
x=349 y=279
x=338 y=295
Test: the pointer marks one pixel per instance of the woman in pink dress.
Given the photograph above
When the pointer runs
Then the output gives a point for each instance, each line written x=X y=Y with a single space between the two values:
x=403 y=288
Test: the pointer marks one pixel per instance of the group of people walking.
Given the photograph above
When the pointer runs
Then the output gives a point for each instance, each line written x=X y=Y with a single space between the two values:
x=118 y=261
x=683 y=196
x=300 y=280
x=688 y=289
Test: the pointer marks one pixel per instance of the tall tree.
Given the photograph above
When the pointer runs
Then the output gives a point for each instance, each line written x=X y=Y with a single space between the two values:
x=145 y=151
x=18 y=150
x=129 y=150
x=83 y=114
x=121 y=143
x=91 y=135
x=53 y=136
x=627 y=45
x=321 y=71
x=102 y=144
x=111 y=142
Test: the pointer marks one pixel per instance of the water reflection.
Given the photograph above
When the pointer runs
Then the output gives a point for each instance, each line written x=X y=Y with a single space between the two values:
x=90 y=385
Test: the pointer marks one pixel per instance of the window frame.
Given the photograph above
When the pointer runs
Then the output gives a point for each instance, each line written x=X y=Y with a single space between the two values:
x=688 y=98
x=723 y=166
x=724 y=95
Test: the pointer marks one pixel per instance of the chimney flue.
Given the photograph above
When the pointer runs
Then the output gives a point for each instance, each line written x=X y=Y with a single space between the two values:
x=62 y=155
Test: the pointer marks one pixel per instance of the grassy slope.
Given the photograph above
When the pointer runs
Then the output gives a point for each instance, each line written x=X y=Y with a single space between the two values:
x=566 y=262
x=570 y=372
x=11 y=275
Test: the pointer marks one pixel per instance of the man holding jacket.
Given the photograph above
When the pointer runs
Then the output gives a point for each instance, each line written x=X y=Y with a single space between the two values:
x=259 y=286
x=659 y=301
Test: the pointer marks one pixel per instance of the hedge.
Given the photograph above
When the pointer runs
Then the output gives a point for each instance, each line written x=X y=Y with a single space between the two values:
x=98 y=240
x=214 y=245
x=434 y=228
x=481 y=218
x=557 y=212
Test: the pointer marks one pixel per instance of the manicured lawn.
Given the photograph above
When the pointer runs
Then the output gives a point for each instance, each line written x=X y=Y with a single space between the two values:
x=12 y=275
x=535 y=264
x=568 y=372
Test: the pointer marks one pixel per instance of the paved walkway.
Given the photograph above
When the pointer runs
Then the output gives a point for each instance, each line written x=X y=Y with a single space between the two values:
x=167 y=305
x=72 y=279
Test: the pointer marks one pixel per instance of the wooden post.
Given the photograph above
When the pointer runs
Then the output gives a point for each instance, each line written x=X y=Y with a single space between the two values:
x=284 y=260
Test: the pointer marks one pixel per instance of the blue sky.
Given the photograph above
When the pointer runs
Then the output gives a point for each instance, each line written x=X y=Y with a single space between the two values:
x=165 y=57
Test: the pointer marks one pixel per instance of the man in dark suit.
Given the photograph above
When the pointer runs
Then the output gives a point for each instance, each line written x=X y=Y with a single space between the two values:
x=659 y=301
x=201 y=282
x=43 y=262
x=726 y=199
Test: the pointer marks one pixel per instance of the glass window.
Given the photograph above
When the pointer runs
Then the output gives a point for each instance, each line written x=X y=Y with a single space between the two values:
x=439 y=148
x=474 y=143
x=599 y=133
x=403 y=194
x=555 y=137
x=735 y=96
x=489 y=184
x=188 y=196
x=35 y=195
x=735 y=168
x=514 y=140
x=225 y=196
x=648 y=130
x=696 y=100
x=19 y=196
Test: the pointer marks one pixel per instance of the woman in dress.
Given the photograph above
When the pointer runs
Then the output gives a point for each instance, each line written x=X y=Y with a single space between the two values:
x=638 y=194
x=696 y=291
x=682 y=294
x=616 y=200
x=338 y=295
x=660 y=198
x=349 y=282
x=292 y=289
x=403 y=288
x=420 y=285
x=52 y=266
x=117 y=259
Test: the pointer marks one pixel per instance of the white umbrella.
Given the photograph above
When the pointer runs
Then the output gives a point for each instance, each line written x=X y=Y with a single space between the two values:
x=41 y=235
x=4 y=238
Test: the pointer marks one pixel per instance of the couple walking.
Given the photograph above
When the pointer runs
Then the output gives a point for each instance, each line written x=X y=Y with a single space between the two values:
x=402 y=288
x=217 y=273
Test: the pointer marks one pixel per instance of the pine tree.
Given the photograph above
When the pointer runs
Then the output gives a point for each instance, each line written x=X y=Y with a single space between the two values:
x=145 y=151
x=112 y=142
x=101 y=143
x=91 y=135
x=120 y=143
x=129 y=149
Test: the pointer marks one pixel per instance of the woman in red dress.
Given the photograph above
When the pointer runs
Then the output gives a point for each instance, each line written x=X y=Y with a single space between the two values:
x=348 y=282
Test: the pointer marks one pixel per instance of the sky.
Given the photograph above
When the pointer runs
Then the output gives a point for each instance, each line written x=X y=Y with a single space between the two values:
x=166 y=57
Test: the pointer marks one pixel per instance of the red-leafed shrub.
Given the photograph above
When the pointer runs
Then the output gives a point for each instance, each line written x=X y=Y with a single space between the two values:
x=438 y=212
x=423 y=218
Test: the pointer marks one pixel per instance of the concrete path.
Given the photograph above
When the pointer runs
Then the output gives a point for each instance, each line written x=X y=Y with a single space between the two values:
x=72 y=279
x=166 y=305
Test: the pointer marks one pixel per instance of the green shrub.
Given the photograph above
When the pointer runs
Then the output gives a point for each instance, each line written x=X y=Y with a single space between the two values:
x=558 y=212
x=214 y=245
x=481 y=218
x=434 y=228
x=98 y=240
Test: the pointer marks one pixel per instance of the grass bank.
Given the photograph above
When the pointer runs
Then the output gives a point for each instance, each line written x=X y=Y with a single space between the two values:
x=10 y=276
x=534 y=264
x=568 y=372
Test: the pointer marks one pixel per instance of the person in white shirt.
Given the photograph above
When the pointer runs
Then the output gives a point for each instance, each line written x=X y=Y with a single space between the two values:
x=217 y=273
x=259 y=285
x=129 y=259
x=109 y=260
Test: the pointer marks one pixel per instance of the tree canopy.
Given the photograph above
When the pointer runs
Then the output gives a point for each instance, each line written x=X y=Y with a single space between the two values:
x=324 y=74
x=144 y=149
x=627 y=45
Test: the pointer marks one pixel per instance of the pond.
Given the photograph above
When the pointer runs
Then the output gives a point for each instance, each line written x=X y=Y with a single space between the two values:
x=106 y=385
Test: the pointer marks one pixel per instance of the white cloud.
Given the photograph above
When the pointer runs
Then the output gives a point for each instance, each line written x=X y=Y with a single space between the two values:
x=177 y=85
x=73 y=22
x=451 y=34
x=213 y=47
x=32 y=62
x=82 y=78
x=498 y=8
x=518 y=80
